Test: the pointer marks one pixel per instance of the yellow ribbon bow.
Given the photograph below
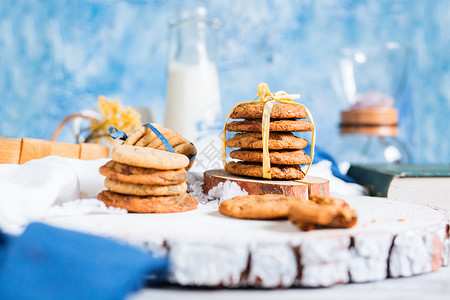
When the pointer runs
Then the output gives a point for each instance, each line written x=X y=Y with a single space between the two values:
x=268 y=99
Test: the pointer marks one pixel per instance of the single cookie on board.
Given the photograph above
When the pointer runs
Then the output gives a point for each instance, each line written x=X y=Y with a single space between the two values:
x=275 y=125
x=328 y=200
x=145 y=157
x=288 y=157
x=162 y=204
x=279 y=111
x=139 y=175
x=277 y=141
x=144 y=189
x=322 y=212
x=255 y=170
x=258 y=206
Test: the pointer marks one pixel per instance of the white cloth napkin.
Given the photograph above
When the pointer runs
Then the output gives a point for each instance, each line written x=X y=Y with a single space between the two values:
x=338 y=186
x=47 y=187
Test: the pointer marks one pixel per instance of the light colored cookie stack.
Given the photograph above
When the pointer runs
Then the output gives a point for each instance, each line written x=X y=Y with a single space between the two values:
x=146 y=180
x=285 y=149
x=145 y=137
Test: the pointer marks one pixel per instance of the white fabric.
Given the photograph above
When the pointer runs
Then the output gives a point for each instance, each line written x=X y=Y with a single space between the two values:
x=56 y=186
x=28 y=191
x=337 y=186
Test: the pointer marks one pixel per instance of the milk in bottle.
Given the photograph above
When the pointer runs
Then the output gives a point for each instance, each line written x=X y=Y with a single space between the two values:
x=193 y=94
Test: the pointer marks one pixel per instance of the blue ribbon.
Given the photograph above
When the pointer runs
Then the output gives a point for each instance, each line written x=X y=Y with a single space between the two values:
x=117 y=134
x=193 y=156
x=161 y=137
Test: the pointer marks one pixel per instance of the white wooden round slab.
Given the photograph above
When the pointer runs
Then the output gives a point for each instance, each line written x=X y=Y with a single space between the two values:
x=391 y=239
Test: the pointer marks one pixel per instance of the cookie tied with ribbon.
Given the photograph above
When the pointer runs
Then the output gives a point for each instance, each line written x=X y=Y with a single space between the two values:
x=268 y=147
x=158 y=137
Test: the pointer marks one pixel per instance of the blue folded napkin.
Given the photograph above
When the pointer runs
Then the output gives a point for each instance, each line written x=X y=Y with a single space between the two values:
x=52 y=263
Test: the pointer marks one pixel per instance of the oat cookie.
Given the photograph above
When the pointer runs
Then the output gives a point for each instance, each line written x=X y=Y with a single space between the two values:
x=322 y=212
x=174 y=139
x=144 y=189
x=150 y=139
x=258 y=206
x=136 y=135
x=186 y=148
x=279 y=111
x=139 y=175
x=145 y=157
x=162 y=204
x=275 y=125
x=277 y=141
x=255 y=170
x=288 y=157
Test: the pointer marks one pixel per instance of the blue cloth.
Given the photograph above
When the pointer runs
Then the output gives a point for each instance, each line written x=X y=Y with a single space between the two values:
x=51 y=263
x=320 y=155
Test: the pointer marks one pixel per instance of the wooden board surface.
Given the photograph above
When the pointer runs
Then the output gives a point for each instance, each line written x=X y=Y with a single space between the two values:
x=19 y=151
x=391 y=239
x=10 y=150
x=297 y=188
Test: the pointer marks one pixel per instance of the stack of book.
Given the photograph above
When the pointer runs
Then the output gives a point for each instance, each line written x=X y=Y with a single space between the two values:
x=421 y=184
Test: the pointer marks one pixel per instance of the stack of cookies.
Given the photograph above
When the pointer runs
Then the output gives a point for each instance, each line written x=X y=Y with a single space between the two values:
x=146 y=180
x=145 y=137
x=285 y=149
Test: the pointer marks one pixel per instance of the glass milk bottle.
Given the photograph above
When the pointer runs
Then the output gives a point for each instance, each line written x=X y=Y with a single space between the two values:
x=193 y=95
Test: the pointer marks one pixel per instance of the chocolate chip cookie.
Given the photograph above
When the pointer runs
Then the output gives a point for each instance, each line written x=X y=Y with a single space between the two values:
x=255 y=170
x=150 y=204
x=275 y=125
x=279 y=111
x=258 y=206
x=148 y=157
x=287 y=157
x=322 y=212
x=277 y=141
x=144 y=189
x=127 y=173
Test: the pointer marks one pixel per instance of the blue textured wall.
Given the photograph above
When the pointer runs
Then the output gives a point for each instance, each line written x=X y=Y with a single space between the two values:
x=57 y=56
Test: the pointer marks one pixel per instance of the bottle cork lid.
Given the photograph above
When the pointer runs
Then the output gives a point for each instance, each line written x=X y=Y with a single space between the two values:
x=381 y=121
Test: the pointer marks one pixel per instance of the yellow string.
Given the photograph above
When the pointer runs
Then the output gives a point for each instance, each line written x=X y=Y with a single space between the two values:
x=265 y=138
x=269 y=99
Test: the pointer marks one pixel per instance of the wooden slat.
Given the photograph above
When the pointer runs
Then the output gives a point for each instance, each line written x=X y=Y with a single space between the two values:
x=10 y=150
x=66 y=149
x=93 y=151
x=34 y=149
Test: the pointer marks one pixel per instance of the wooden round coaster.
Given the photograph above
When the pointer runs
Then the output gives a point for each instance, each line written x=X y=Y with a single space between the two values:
x=297 y=188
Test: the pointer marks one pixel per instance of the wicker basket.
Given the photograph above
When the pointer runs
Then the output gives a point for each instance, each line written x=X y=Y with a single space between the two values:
x=19 y=151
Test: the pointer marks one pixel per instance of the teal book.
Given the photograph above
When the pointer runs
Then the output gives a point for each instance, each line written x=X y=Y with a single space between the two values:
x=422 y=184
